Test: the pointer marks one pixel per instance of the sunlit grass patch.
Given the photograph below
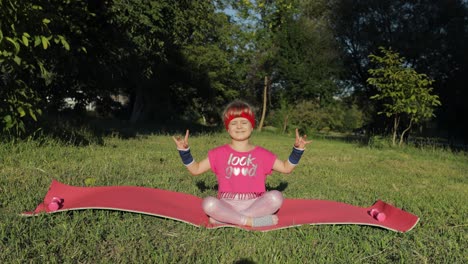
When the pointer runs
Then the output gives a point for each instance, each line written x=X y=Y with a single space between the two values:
x=432 y=184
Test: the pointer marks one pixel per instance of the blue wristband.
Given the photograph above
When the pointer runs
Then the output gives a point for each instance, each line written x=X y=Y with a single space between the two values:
x=186 y=156
x=295 y=156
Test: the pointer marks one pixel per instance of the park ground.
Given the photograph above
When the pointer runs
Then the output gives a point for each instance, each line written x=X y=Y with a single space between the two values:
x=427 y=181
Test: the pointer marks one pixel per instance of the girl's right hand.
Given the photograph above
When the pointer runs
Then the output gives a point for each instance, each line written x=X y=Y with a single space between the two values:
x=301 y=141
x=181 y=143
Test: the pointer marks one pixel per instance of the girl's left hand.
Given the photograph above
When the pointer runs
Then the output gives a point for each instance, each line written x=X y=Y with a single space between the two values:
x=301 y=141
x=182 y=143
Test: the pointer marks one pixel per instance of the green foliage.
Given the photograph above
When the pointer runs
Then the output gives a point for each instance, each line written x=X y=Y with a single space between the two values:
x=312 y=117
x=308 y=57
x=402 y=90
x=353 y=118
x=261 y=22
x=179 y=54
x=379 y=142
x=280 y=117
x=186 y=63
x=19 y=103
x=431 y=35
x=24 y=32
x=213 y=63
x=188 y=58
x=290 y=53
x=172 y=59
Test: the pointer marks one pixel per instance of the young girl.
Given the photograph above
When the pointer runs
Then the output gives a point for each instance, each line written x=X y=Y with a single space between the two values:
x=241 y=170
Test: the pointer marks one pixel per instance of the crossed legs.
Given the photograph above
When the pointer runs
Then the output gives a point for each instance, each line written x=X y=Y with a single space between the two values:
x=254 y=212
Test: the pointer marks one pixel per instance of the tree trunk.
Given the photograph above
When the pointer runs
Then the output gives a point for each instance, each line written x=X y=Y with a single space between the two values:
x=265 y=94
x=285 y=123
x=395 y=129
x=151 y=102
x=138 y=107
x=404 y=131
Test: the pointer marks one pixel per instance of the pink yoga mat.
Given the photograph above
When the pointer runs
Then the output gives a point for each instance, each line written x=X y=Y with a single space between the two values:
x=187 y=208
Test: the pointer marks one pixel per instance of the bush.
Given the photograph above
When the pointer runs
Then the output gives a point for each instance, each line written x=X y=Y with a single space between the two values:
x=379 y=142
x=311 y=117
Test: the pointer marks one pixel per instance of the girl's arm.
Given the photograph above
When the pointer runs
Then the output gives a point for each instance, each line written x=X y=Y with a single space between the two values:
x=283 y=166
x=197 y=168
x=288 y=165
x=194 y=167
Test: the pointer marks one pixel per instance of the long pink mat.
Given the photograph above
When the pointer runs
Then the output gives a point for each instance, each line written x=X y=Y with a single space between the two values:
x=187 y=208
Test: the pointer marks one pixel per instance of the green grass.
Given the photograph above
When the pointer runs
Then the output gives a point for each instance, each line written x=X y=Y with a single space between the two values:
x=430 y=183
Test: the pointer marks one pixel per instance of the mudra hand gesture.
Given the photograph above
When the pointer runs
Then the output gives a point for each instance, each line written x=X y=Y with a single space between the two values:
x=181 y=143
x=301 y=141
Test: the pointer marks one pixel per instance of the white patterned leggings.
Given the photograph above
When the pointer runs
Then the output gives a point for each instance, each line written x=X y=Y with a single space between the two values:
x=235 y=211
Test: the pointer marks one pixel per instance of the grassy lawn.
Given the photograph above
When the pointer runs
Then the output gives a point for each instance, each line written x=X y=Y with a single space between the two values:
x=430 y=183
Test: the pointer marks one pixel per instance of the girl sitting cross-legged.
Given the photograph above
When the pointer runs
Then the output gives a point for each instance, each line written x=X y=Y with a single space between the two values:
x=241 y=170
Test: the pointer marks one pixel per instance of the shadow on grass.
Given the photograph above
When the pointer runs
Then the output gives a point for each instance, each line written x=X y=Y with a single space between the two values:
x=203 y=187
x=281 y=187
x=83 y=130
x=378 y=141
x=361 y=140
x=244 y=261
x=125 y=129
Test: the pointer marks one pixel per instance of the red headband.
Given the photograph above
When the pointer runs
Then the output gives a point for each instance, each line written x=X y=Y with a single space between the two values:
x=249 y=117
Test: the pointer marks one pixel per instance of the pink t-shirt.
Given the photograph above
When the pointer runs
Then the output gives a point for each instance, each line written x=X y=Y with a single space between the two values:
x=241 y=173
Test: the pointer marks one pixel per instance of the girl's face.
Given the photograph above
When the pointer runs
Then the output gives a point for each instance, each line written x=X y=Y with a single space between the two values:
x=240 y=128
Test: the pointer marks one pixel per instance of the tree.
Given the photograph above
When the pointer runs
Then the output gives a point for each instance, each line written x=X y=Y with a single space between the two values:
x=402 y=90
x=261 y=21
x=180 y=54
x=90 y=72
x=431 y=35
x=308 y=57
x=293 y=56
x=25 y=38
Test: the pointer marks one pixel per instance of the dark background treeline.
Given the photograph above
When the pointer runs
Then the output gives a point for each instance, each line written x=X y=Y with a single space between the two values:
x=167 y=61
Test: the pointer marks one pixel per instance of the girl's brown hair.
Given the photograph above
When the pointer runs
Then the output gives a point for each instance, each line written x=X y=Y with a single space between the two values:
x=238 y=109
